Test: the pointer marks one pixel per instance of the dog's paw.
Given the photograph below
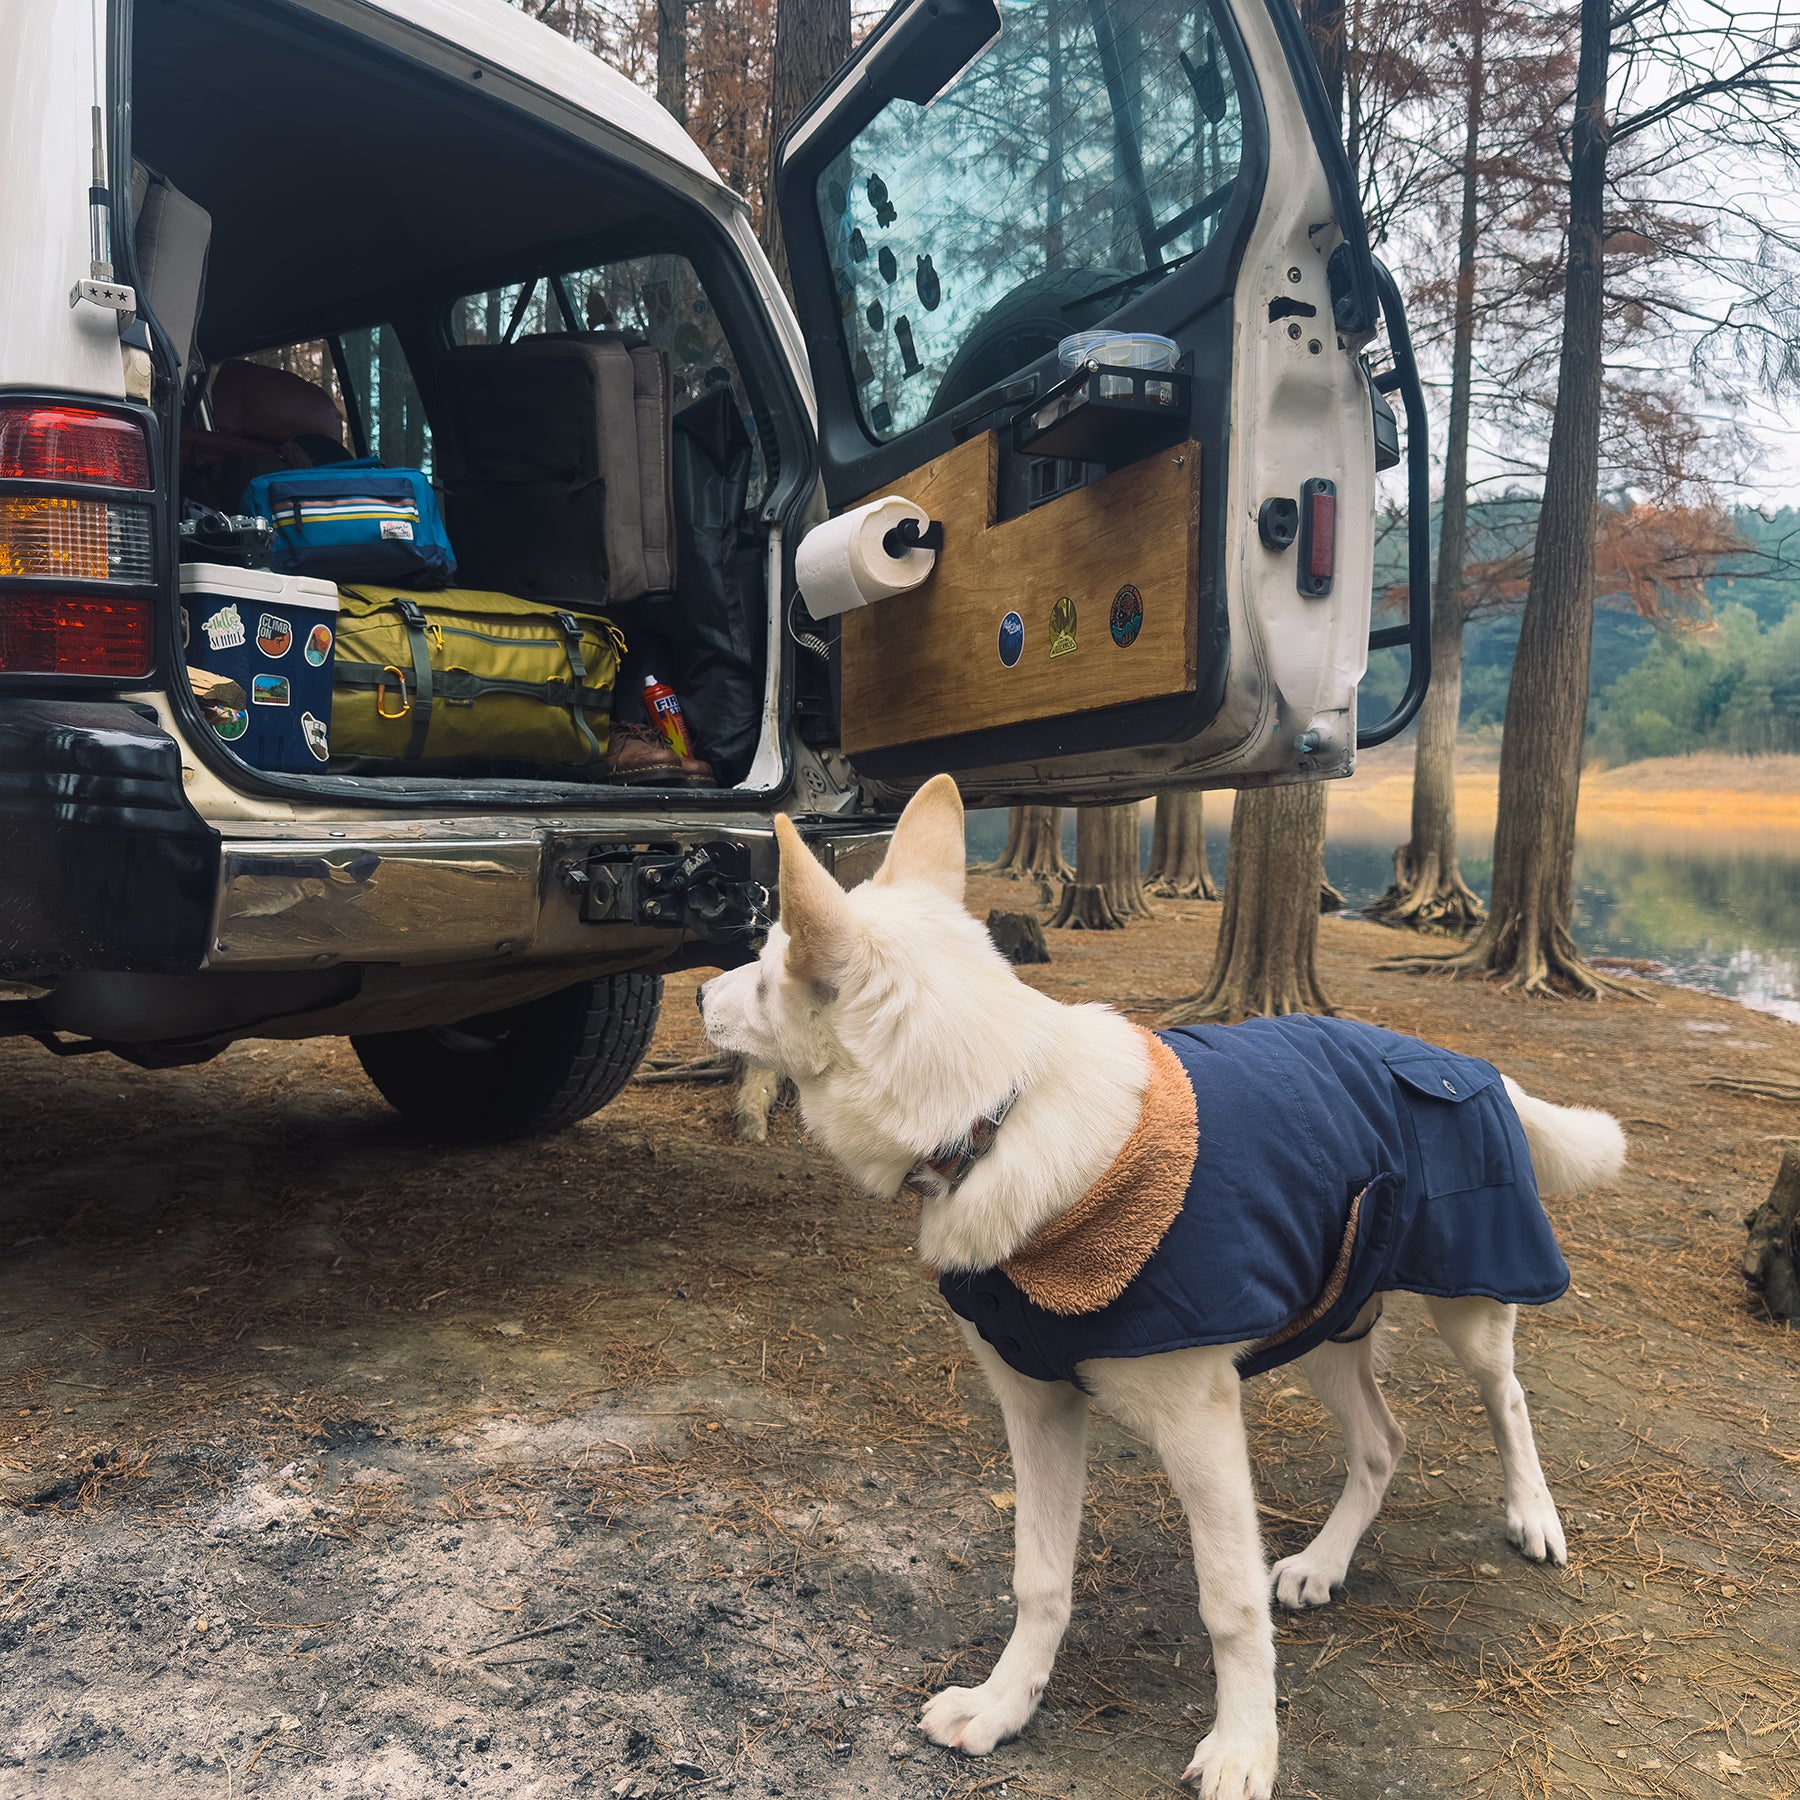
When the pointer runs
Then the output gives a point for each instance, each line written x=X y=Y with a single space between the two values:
x=974 y=1720
x=1533 y=1528
x=1233 y=1768
x=1300 y=1582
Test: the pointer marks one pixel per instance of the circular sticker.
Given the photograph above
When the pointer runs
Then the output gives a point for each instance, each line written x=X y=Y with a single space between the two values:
x=318 y=644
x=1012 y=639
x=229 y=721
x=1127 y=617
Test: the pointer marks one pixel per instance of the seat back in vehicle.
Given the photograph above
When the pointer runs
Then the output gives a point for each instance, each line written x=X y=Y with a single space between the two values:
x=171 y=236
x=263 y=420
x=554 y=454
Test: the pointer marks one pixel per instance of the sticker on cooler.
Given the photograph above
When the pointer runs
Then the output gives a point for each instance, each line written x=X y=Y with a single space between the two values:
x=270 y=690
x=318 y=737
x=318 y=645
x=225 y=629
x=229 y=721
x=274 y=635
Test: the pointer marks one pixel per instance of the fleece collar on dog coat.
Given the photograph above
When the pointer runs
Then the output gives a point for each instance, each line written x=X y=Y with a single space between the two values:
x=1283 y=1172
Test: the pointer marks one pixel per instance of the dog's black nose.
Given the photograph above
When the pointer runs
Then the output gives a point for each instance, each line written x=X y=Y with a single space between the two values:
x=700 y=996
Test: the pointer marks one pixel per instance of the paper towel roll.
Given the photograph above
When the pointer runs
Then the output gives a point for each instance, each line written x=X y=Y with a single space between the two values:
x=844 y=563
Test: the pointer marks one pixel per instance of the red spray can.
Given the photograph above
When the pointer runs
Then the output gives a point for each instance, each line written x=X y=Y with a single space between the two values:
x=662 y=705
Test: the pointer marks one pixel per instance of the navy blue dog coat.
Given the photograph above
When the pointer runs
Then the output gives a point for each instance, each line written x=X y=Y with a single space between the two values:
x=1335 y=1161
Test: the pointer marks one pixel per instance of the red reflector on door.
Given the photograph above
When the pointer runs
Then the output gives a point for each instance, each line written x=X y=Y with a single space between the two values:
x=74 y=634
x=1321 y=552
x=72 y=443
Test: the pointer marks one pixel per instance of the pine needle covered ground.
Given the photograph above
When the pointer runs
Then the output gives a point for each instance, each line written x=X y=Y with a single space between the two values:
x=642 y=1461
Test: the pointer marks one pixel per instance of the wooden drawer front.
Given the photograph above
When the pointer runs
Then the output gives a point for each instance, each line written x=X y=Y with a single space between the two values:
x=928 y=664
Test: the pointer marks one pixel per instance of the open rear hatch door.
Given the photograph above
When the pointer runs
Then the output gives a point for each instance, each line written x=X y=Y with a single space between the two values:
x=1139 y=576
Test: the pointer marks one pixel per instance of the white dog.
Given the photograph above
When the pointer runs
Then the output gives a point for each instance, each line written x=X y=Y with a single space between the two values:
x=1038 y=1135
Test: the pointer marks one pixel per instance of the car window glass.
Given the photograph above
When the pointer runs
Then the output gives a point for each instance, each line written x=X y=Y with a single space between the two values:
x=1094 y=142
x=393 y=417
x=651 y=299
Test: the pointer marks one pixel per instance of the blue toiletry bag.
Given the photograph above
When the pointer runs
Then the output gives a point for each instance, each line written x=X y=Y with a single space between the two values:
x=354 y=521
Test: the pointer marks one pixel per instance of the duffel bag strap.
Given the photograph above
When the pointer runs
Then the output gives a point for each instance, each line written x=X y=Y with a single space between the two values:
x=459 y=687
x=571 y=630
x=414 y=620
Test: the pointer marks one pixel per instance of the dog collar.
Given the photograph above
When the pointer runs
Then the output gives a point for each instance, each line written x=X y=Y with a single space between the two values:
x=943 y=1171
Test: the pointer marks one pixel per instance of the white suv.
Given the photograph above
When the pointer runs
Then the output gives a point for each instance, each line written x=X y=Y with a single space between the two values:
x=229 y=226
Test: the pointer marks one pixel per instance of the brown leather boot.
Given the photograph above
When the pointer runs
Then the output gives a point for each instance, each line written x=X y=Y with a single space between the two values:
x=644 y=758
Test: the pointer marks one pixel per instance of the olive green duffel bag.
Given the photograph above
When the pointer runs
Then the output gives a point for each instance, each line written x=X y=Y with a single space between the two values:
x=453 y=674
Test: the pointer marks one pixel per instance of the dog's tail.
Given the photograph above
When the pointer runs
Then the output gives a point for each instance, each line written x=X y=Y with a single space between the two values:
x=1572 y=1147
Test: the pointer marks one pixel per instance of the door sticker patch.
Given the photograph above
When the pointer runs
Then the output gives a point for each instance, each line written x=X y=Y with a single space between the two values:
x=318 y=644
x=318 y=738
x=1012 y=639
x=274 y=635
x=269 y=690
x=225 y=629
x=229 y=721
x=1127 y=617
x=1062 y=627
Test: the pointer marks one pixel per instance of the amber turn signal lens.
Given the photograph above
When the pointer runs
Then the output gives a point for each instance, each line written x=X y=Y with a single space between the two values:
x=82 y=540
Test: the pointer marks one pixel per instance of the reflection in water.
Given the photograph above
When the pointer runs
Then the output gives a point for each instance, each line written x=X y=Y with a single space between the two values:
x=1719 y=912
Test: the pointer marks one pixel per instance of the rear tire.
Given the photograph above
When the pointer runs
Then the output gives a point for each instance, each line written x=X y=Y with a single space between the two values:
x=524 y=1072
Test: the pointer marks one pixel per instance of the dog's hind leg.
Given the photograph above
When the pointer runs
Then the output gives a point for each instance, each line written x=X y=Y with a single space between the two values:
x=1187 y=1403
x=1343 y=1376
x=1480 y=1335
x=1046 y=1430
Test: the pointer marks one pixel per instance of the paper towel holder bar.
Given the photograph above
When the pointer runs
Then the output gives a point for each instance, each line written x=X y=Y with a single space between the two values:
x=909 y=534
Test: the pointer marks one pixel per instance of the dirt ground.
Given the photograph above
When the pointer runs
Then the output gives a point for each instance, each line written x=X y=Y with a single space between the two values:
x=643 y=1462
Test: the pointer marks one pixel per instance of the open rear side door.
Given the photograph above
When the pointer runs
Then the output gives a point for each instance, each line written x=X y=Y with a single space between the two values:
x=1145 y=578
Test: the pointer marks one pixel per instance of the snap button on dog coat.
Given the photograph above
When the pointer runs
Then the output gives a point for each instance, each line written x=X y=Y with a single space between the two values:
x=1330 y=1161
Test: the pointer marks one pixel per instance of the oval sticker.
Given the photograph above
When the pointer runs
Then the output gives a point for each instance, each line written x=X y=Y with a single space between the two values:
x=1012 y=639
x=1127 y=617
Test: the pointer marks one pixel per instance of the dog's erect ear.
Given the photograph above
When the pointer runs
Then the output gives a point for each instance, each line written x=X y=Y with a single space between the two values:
x=928 y=842
x=813 y=909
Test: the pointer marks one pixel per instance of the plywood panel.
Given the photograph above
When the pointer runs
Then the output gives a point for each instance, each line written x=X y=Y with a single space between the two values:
x=927 y=664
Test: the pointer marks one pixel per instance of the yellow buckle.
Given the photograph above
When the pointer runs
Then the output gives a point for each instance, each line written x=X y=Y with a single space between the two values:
x=381 y=711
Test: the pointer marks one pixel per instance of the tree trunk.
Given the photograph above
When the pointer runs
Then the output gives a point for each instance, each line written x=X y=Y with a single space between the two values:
x=1429 y=893
x=1108 y=890
x=1178 y=848
x=812 y=37
x=1034 y=846
x=1772 y=1255
x=671 y=57
x=1269 y=932
x=1526 y=942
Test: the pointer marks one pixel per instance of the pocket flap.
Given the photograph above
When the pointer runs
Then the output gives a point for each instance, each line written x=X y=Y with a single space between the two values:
x=1441 y=1074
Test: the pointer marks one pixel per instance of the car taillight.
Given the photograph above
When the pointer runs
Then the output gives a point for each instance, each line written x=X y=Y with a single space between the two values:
x=75 y=634
x=41 y=442
x=88 y=540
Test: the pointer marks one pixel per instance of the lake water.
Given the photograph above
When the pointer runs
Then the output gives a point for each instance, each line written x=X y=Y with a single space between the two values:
x=1717 y=910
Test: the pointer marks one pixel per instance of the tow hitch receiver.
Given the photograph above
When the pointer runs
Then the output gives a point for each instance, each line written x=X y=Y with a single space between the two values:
x=706 y=890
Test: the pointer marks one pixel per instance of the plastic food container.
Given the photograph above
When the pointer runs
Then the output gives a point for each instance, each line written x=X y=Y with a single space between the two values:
x=1122 y=350
x=273 y=635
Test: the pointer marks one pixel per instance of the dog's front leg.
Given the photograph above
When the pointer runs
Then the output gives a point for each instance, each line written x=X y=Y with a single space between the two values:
x=1046 y=1430
x=1187 y=1404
